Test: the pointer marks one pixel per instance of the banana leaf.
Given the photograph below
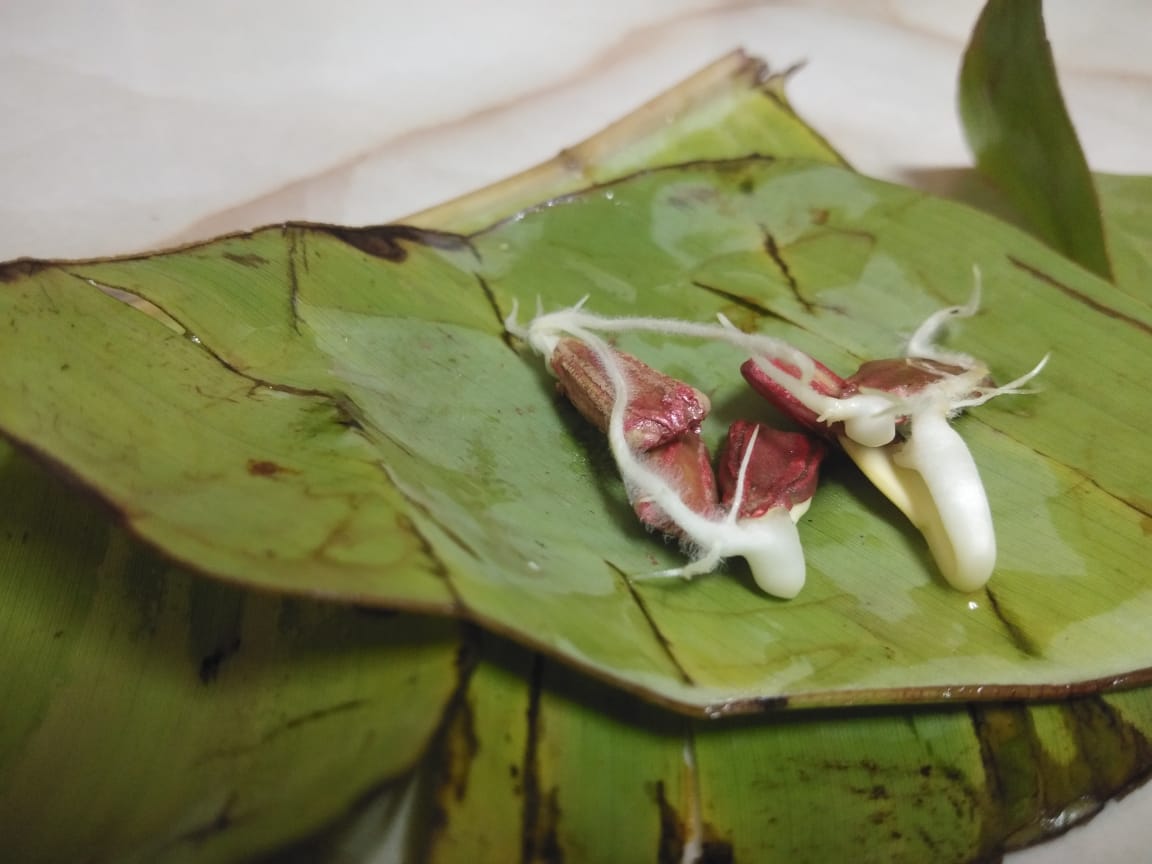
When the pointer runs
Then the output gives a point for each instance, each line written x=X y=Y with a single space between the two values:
x=548 y=765
x=149 y=714
x=337 y=412
x=294 y=465
x=1021 y=135
x=1126 y=205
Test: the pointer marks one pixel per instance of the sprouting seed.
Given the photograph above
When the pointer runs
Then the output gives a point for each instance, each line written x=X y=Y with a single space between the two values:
x=757 y=522
x=892 y=418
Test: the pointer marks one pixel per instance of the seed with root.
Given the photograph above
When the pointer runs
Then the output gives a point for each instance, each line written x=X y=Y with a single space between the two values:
x=670 y=483
x=892 y=418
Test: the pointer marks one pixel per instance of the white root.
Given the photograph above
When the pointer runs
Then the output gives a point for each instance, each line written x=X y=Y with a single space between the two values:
x=929 y=473
x=935 y=483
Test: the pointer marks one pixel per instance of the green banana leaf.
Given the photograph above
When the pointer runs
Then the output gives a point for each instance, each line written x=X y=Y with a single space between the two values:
x=509 y=768
x=732 y=108
x=1126 y=205
x=149 y=714
x=1021 y=135
x=547 y=765
x=164 y=719
x=340 y=414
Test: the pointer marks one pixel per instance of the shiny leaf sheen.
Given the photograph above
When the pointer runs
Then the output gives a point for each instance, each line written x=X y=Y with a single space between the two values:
x=350 y=422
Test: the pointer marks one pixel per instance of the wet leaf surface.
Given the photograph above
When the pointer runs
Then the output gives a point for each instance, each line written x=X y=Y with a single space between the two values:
x=336 y=412
x=343 y=416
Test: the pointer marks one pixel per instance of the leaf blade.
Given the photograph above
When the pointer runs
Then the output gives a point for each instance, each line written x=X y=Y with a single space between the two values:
x=1021 y=135
x=154 y=715
x=502 y=506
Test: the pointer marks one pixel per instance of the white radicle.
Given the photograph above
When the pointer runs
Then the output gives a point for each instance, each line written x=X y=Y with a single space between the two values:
x=769 y=543
x=905 y=444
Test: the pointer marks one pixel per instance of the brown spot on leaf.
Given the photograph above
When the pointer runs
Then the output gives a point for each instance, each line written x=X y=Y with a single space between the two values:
x=672 y=829
x=268 y=468
x=549 y=825
x=21 y=268
x=390 y=241
x=210 y=664
x=714 y=850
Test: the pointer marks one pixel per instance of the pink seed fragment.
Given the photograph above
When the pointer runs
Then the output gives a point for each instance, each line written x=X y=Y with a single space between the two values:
x=782 y=472
x=900 y=376
x=659 y=410
x=824 y=381
x=685 y=465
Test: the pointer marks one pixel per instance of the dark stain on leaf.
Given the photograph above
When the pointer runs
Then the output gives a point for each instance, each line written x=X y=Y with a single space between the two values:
x=1118 y=752
x=1079 y=296
x=530 y=820
x=455 y=752
x=216 y=616
x=549 y=850
x=347 y=415
x=388 y=241
x=1013 y=796
x=451 y=753
x=267 y=468
x=210 y=663
x=468 y=745
x=1030 y=795
x=21 y=268
x=672 y=830
x=714 y=850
